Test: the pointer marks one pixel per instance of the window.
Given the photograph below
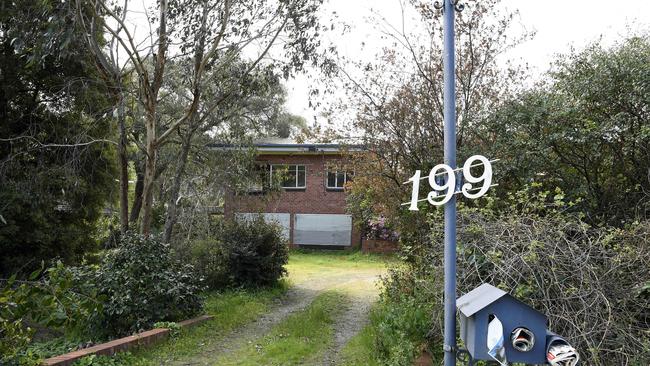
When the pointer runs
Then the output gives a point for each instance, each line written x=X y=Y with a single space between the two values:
x=290 y=176
x=336 y=179
x=257 y=179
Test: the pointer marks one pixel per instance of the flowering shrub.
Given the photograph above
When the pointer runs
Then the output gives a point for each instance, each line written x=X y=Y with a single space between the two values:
x=379 y=229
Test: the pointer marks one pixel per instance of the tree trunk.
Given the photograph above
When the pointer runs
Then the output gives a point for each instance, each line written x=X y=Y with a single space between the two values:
x=149 y=172
x=124 y=170
x=172 y=204
x=139 y=187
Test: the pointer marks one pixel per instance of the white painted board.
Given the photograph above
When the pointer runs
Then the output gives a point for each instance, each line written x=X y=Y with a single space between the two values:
x=282 y=219
x=322 y=229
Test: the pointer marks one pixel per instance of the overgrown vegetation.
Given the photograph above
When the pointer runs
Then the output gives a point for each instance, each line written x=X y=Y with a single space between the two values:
x=566 y=230
x=56 y=157
x=299 y=339
x=143 y=283
x=242 y=253
x=134 y=285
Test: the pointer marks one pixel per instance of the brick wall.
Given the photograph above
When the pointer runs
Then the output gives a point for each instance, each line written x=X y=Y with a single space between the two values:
x=314 y=199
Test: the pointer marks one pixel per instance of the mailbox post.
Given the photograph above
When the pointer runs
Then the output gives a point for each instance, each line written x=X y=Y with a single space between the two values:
x=449 y=103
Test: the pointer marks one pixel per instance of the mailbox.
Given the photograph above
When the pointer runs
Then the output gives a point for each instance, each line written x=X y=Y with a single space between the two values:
x=524 y=328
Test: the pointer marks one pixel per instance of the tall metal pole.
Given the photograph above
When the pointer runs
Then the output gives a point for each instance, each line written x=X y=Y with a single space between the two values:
x=449 y=103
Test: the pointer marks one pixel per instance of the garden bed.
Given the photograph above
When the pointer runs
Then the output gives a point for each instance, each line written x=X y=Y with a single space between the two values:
x=378 y=246
x=121 y=344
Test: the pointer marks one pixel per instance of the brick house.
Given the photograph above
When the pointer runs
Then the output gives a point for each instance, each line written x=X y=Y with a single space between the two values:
x=309 y=198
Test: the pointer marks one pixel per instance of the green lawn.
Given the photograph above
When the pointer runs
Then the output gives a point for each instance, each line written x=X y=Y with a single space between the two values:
x=231 y=309
x=359 y=351
x=307 y=264
x=299 y=339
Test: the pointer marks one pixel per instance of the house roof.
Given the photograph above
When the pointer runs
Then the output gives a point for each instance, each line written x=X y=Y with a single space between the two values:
x=283 y=146
x=479 y=298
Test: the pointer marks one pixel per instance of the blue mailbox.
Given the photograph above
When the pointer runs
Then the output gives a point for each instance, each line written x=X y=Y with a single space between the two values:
x=524 y=328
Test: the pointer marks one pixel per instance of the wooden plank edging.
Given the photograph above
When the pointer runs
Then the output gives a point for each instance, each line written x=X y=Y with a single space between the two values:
x=122 y=344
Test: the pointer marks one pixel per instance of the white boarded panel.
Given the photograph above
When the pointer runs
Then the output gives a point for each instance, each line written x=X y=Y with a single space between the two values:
x=321 y=229
x=282 y=219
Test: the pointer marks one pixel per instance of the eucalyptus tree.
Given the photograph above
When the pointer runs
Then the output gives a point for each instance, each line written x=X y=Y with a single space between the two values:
x=212 y=33
x=397 y=96
x=252 y=105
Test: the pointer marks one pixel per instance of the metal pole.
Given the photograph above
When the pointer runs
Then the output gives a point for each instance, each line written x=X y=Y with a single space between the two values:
x=449 y=83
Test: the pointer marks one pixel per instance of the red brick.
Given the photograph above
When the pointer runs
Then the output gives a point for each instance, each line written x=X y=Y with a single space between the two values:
x=314 y=199
x=119 y=345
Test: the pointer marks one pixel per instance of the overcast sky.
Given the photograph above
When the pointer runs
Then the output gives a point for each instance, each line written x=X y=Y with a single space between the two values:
x=559 y=24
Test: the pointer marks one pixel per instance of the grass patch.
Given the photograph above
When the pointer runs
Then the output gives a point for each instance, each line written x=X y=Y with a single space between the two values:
x=299 y=339
x=231 y=309
x=337 y=257
x=360 y=349
x=307 y=264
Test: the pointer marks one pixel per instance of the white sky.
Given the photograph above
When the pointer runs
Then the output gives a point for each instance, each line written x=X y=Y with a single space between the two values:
x=559 y=24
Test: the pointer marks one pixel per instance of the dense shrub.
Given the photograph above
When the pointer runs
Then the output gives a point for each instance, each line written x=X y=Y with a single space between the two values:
x=378 y=228
x=49 y=301
x=252 y=253
x=208 y=258
x=143 y=283
x=248 y=253
x=592 y=282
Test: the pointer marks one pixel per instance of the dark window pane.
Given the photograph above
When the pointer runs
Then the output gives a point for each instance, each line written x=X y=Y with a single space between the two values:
x=302 y=177
x=331 y=179
x=340 y=179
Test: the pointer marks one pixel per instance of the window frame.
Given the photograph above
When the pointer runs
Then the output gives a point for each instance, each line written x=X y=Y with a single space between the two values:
x=336 y=172
x=261 y=168
x=297 y=187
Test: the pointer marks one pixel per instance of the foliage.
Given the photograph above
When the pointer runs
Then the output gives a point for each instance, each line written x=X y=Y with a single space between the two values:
x=56 y=167
x=143 y=283
x=207 y=257
x=55 y=347
x=119 y=359
x=586 y=130
x=174 y=328
x=401 y=327
x=51 y=302
x=588 y=280
x=379 y=229
x=399 y=98
x=249 y=253
x=231 y=309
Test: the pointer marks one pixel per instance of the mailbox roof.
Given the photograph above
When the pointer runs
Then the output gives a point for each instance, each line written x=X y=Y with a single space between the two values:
x=478 y=298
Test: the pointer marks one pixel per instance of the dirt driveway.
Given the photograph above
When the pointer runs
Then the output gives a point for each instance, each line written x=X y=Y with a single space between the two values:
x=310 y=275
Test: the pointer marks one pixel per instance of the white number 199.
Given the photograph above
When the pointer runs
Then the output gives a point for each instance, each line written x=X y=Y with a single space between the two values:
x=448 y=188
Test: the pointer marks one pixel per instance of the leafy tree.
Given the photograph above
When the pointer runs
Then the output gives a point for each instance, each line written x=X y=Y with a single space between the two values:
x=586 y=130
x=213 y=34
x=56 y=169
x=398 y=101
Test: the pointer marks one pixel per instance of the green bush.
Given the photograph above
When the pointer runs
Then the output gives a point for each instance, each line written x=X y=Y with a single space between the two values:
x=208 y=258
x=589 y=280
x=143 y=283
x=250 y=253
x=400 y=328
x=255 y=252
x=402 y=320
x=50 y=301
x=119 y=359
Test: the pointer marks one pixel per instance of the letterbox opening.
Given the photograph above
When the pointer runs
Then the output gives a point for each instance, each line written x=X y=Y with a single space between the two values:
x=523 y=340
